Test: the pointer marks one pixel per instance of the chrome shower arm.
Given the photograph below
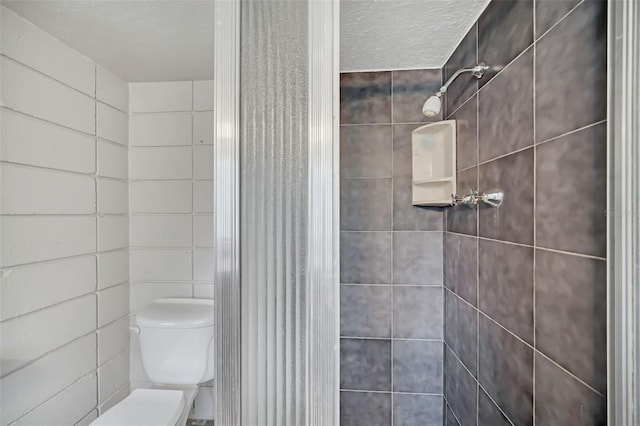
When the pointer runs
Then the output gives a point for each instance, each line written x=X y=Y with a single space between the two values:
x=477 y=71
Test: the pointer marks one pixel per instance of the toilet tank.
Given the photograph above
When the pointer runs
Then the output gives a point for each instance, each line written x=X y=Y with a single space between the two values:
x=176 y=340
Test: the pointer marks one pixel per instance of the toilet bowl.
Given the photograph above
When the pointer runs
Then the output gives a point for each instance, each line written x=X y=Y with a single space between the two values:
x=176 y=347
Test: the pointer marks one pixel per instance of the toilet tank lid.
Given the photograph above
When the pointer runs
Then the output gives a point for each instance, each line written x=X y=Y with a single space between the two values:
x=176 y=313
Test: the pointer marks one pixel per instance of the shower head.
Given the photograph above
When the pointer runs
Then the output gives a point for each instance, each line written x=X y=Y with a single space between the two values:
x=431 y=107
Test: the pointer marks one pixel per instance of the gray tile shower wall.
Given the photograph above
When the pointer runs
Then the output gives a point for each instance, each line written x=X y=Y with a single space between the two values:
x=525 y=285
x=392 y=296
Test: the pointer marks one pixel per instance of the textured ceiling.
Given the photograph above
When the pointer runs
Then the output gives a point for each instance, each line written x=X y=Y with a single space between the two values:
x=164 y=40
x=403 y=34
x=140 y=40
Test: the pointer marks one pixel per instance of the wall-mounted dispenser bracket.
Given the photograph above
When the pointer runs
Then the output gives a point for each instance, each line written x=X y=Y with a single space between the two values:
x=493 y=198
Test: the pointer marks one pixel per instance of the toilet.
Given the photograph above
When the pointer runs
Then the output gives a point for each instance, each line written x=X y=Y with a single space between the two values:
x=176 y=347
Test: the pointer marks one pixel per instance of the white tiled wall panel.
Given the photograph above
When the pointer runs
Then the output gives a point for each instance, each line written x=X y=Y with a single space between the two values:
x=45 y=378
x=203 y=128
x=28 y=44
x=160 y=265
x=203 y=291
x=116 y=397
x=55 y=216
x=162 y=96
x=112 y=89
x=113 y=338
x=165 y=259
x=137 y=376
x=30 y=141
x=160 y=231
x=113 y=375
x=113 y=268
x=49 y=329
x=67 y=407
x=29 y=190
x=144 y=293
x=203 y=95
x=203 y=196
x=203 y=265
x=25 y=90
x=113 y=303
x=112 y=160
x=203 y=231
x=160 y=163
x=27 y=239
x=86 y=420
x=171 y=201
x=160 y=129
x=112 y=124
x=161 y=197
x=113 y=196
x=28 y=288
x=113 y=232
x=203 y=162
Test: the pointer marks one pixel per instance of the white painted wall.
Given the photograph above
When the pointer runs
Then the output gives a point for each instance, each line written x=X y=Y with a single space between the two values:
x=171 y=201
x=64 y=256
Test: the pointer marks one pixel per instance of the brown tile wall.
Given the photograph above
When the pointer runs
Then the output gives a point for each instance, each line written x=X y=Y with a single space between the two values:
x=525 y=298
x=392 y=294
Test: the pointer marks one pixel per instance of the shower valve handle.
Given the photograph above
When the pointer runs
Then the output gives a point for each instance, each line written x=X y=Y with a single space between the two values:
x=493 y=198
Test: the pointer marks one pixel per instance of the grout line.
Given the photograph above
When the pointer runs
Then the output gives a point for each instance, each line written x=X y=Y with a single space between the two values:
x=477 y=242
x=142 y=214
x=193 y=209
x=390 y=70
x=455 y=417
x=55 y=260
x=391 y=302
x=406 y=123
x=535 y=198
x=537 y=351
x=517 y=151
x=569 y=253
x=435 y=231
x=61 y=215
x=480 y=88
x=57 y=348
x=37 y=71
x=567 y=372
x=170 y=180
x=412 y=339
x=388 y=285
x=588 y=256
x=535 y=144
x=126 y=385
x=95 y=371
x=571 y=131
x=368 y=177
x=43 y=120
x=56 y=304
x=178 y=111
x=460 y=361
x=389 y=392
x=62 y=171
x=494 y=403
x=537 y=39
x=97 y=228
x=110 y=142
x=522 y=53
